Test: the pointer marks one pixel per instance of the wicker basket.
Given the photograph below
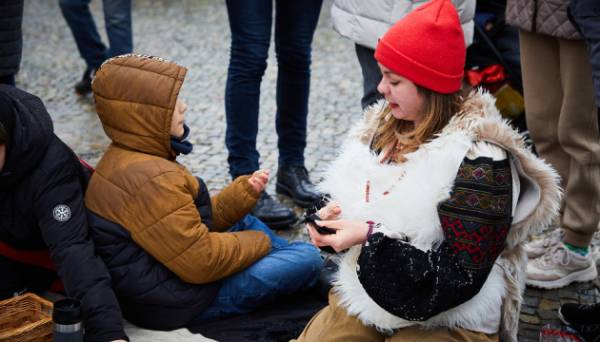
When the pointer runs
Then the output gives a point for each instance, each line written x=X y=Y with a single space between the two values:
x=25 y=318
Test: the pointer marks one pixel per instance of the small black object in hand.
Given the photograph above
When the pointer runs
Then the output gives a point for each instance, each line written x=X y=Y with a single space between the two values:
x=320 y=229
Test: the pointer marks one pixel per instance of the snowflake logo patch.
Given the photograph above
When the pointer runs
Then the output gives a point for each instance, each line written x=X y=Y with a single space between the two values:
x=61 y=213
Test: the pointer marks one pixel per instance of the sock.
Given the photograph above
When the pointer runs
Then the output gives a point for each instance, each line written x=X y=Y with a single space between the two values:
x=583 y=251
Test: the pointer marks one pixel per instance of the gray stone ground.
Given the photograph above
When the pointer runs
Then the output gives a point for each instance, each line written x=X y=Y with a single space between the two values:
x=195 y=33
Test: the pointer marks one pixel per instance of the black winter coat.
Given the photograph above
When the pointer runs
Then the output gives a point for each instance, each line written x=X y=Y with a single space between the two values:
x=42 y=207
x=150 y=295
x=585 y=16
x=11 y=36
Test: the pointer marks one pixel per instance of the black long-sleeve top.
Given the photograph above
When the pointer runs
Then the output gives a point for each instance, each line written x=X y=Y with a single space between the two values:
x=417 y=285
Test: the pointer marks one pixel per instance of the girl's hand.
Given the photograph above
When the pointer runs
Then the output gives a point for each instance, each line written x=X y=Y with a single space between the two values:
x=259 y=180
x=330 y=212
x=348 y=233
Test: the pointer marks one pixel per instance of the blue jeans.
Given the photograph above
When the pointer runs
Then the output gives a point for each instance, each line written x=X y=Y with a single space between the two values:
x=288 y=268
x=250 y=22
x=117 y=17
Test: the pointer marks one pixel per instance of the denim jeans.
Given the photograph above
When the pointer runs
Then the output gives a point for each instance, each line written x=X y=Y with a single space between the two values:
x=371 y=75
x=117 y=17
x=250 y=23
x=288 y=268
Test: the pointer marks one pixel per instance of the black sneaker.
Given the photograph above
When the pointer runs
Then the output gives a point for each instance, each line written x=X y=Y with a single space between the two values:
x=583 y=318
x=293 y=181
x=84 y=86
x=272 y=213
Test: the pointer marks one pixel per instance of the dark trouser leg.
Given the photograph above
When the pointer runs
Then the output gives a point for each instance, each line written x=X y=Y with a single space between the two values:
x=117 y=15
x=371 y=75
x=79 y=18
x=250 y=23
x=294 y=30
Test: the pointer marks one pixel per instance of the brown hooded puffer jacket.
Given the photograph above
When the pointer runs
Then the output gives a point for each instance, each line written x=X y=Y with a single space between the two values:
x=139 y=185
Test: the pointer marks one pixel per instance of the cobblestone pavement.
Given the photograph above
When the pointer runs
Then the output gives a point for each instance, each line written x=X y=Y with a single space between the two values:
x=195 y=33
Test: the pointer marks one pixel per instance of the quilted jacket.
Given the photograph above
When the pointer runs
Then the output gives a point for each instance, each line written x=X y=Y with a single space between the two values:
x=547 y=17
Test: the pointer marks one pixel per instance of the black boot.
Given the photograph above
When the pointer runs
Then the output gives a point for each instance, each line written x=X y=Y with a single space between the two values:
x=84 y=86
x=272 y=213
x=293 y=181
x=583 y=318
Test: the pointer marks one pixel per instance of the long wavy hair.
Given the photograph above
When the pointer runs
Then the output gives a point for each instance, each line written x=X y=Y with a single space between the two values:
x=394 y=138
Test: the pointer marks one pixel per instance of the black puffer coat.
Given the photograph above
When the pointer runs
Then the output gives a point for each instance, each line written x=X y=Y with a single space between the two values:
x=150 y=295
x=41 y=207
x=11 y=36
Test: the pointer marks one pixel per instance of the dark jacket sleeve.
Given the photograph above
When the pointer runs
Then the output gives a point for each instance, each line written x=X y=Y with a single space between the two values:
x=62 y=219
x=417 y=285
x=585 y=16
x=11 y=36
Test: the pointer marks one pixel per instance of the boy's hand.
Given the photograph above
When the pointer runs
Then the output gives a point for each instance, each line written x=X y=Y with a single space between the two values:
x=259 y=180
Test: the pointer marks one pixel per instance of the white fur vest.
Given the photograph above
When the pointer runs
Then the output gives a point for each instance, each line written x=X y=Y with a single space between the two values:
x=411 y=208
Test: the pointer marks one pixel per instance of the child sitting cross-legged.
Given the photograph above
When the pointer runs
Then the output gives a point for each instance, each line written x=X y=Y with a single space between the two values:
x=176 y=254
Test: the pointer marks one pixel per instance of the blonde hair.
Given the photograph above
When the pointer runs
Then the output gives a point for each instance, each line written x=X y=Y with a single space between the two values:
x=395 y=138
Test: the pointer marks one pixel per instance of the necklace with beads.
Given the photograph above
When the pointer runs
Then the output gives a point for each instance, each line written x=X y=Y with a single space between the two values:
x=391 y=155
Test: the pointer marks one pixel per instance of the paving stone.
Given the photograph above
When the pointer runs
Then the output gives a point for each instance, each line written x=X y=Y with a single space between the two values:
x=568 y=293
x=526 y=309
x=551 y=295
x=532 y=319
x=546 y=304
x=547 y=315
x=531 y=299
x=529 y=334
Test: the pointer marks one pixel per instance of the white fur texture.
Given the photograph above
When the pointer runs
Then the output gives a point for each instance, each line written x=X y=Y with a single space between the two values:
x=411 y=206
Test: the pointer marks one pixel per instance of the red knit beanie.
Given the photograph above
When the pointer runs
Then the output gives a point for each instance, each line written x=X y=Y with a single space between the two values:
x=427 y=46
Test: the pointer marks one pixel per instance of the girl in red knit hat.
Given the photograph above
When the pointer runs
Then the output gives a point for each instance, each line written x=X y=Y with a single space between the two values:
x=433 y=196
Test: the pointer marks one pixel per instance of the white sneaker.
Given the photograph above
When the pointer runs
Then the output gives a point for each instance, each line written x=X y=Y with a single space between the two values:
x=595 y=248
x=543 y=242
x=595 y=252
x=559 y=267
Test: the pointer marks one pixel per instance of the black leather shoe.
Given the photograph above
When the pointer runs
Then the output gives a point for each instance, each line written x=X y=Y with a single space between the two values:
x=272 y=213
x=84 y=86
x=293 y=181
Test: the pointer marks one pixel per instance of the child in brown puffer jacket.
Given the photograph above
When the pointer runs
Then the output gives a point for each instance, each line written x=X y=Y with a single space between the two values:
x=203 y=239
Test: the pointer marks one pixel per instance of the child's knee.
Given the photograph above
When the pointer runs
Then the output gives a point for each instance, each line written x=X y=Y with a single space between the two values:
x=310 y=258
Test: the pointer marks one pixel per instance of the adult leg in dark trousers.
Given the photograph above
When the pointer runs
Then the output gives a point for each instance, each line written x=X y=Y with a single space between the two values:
x=11 y=39
x=250 y=22
x=371 y=75
x=117 y=17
